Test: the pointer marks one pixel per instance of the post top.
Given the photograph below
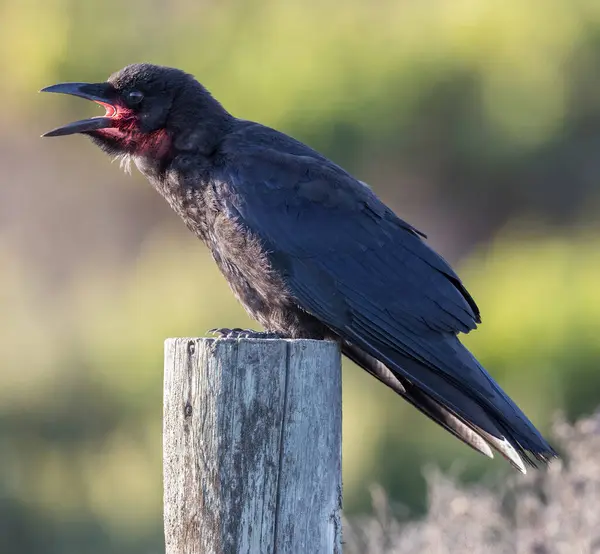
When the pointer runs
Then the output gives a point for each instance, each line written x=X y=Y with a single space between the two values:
x=211 y=340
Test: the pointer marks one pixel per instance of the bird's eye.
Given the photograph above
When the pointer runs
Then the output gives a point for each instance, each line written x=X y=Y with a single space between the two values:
x=134 y=97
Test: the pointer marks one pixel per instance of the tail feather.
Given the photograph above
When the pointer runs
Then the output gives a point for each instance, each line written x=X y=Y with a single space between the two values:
x=426 y=405
x=475 y=423
x=506 y=449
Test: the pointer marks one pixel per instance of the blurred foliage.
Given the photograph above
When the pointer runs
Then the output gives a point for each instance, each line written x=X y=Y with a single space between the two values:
x=476 y=118
x=540 y=513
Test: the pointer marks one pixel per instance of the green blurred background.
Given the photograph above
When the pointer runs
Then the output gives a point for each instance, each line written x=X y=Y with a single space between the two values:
x=478 y=121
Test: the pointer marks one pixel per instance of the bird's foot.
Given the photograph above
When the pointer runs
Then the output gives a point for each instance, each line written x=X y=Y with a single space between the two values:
x=237 y=333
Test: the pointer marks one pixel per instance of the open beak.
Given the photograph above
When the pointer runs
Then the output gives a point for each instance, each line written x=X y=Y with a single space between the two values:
x=101 y=93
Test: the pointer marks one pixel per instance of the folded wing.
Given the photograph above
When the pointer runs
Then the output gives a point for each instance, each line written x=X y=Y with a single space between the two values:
x=352 y=263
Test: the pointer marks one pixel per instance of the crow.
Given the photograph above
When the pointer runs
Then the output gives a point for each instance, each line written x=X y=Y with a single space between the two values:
x=309 y=250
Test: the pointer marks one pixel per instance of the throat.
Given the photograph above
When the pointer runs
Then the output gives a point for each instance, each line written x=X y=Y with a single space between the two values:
x=153 y=154
x=125 y=144
x=156 y=144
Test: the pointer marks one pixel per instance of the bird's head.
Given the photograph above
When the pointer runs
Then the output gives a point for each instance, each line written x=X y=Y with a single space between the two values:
x=147 y=107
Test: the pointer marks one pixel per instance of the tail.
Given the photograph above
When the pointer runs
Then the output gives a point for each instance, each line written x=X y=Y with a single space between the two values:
x=505 y=428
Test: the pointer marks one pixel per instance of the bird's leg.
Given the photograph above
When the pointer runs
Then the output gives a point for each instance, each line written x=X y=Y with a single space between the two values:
x=237 y=333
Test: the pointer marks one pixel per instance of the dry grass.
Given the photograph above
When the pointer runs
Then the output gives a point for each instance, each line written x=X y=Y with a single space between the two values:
x=551 y=512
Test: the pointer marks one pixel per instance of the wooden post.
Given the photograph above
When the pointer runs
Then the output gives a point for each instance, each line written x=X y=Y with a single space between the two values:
x=252 y=446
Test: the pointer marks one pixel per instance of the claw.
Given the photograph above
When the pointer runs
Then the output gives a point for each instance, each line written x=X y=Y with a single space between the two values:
x=238 y=333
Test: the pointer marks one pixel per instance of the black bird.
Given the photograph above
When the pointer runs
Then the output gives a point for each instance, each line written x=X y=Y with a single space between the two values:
x=309 y=250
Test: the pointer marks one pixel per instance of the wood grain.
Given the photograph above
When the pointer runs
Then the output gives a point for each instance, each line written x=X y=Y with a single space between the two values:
x=252 y=446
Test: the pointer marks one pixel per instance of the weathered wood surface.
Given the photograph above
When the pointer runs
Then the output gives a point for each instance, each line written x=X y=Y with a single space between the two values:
x=252 y=446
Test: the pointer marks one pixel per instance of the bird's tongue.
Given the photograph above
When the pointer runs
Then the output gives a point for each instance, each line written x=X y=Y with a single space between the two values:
x=111 y=111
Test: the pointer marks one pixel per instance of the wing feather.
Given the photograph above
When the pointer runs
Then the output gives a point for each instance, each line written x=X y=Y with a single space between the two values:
x=352 y=263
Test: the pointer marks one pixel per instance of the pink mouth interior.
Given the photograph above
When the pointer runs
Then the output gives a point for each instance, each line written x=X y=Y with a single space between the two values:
x=111 y=111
